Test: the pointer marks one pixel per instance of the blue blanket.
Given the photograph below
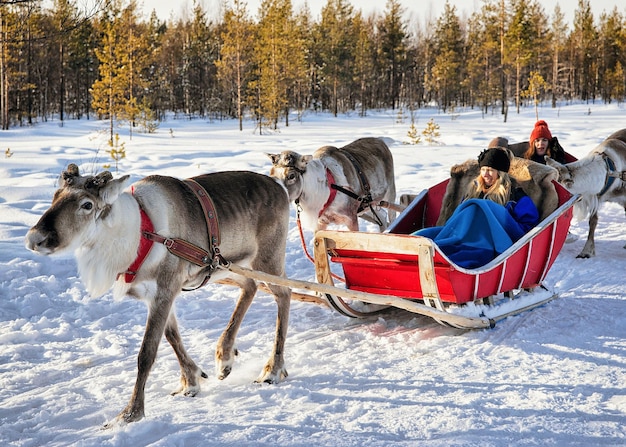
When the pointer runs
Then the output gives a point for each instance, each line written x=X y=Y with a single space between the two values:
x=479 y=230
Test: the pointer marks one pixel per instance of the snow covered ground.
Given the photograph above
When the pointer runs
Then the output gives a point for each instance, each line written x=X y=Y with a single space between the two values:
x=554 y=376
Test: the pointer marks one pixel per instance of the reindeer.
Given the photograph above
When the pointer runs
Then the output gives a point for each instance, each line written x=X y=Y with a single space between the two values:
x=151 y=241
x=598 y=177
x=336 y=185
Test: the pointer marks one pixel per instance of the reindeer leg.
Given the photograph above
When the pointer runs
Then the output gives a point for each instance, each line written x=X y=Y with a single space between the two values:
x=225 y=352
x=274 y=370
x=353 y=224
x=189 y=371
x=158 y=311
x=589 y=249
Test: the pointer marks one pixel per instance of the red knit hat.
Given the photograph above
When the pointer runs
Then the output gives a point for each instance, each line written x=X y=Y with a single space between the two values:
x=540 y=131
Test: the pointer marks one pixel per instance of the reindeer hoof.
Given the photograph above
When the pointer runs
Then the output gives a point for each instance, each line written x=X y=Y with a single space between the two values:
x=225 y=372
x=272 y=378
x=124 y=418
x=190 y=386
x=223 y=367
x=189 y=391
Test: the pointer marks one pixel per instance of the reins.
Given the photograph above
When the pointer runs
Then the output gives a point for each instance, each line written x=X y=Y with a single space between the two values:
x=304 y=247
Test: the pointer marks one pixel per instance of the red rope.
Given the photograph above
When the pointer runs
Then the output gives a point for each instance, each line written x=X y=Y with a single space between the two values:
x=306 y=251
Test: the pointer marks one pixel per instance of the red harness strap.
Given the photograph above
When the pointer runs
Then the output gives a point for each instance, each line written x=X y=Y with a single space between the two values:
x=145 y=245
x=333 y=192
x=179 y=247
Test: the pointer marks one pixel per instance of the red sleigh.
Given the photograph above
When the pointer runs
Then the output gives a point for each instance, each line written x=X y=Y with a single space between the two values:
x=380 y=270
x=410 y=272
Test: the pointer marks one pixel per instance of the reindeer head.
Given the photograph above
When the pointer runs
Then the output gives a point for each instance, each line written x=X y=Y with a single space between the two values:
x=289 y=167
x=78 y=206
x=566 y=175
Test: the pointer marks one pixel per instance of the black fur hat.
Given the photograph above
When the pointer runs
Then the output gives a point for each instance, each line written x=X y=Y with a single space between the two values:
x=495 y=158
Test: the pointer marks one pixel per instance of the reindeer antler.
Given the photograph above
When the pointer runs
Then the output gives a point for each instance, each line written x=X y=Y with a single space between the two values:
x=69 y=176
x=98 y=180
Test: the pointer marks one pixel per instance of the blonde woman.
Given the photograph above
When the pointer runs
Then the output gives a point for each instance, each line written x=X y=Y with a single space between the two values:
x=493 y=182
x=493 y=215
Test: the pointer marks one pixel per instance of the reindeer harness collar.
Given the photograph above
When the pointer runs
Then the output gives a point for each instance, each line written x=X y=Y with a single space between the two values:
x=365 y=200
x=611 y=174
x=179 y=247
x=333 y=191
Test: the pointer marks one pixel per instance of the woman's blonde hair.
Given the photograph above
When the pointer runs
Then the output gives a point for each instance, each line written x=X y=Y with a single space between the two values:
x=499 y=192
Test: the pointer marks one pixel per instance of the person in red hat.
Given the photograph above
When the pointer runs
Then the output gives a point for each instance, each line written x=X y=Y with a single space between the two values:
x=542 y=143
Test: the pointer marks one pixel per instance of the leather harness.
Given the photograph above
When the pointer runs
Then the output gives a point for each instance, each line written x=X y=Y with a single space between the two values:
x=611 y=174
x=180 y=247
x=365 y=200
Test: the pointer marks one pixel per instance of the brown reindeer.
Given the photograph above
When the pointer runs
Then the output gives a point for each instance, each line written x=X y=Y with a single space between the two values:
x=336 y=185
x=109 y=229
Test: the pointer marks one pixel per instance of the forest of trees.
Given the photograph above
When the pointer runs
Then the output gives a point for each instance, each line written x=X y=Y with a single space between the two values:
x=64 y=61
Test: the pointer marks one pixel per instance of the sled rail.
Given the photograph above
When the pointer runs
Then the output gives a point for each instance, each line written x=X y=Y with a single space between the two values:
x=383 y=300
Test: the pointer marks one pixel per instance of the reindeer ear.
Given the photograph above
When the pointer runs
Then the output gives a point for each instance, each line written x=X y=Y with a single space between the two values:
x=303 y=161
x=112 y=189
x=274 y=157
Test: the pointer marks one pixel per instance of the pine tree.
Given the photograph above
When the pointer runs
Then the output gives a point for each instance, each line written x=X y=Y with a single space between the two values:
x=519 y=44
x=393 y=38
x=200 y=53
x=431 y=131
x=335 y=39
x=12 y=46
x=483 y=57
x=155 y=71
x=447 y=70
x=536 y=85
x=122 y=60
x=364 y=61
x=559 y=79
x=274 y=54
x=611 y=45
x=108 y=91
x=235 y=62
x=585 y=49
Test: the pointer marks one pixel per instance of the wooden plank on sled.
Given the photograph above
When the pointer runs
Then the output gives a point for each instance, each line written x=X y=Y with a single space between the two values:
x=327 y=240
x=295 y=295
x=385 y=300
